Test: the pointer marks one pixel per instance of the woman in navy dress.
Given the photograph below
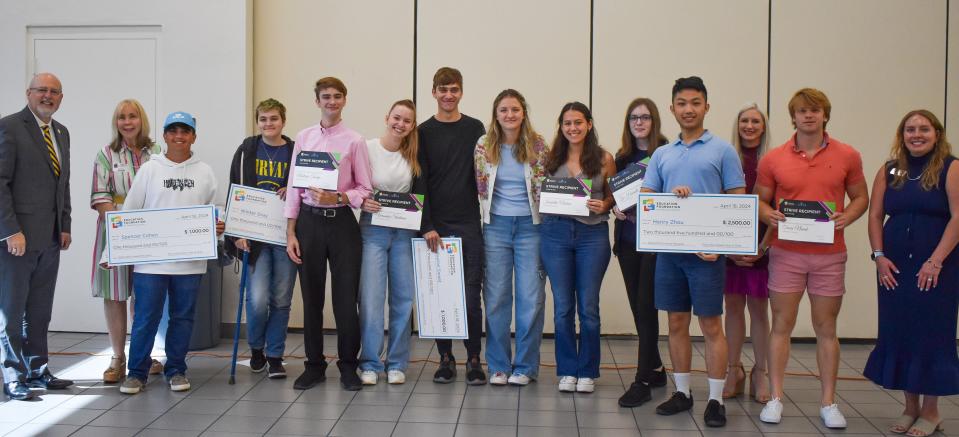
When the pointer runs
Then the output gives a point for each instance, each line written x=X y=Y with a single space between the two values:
x=918 y=271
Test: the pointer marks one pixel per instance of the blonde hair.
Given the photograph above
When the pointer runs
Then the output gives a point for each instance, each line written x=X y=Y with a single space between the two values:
x=763 y=140
x=527 y=135
x=409 y=145
x=143 y=137
x=937 y=159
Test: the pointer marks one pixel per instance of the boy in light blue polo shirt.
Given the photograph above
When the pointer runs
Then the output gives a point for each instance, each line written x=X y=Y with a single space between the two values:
x=697 y=162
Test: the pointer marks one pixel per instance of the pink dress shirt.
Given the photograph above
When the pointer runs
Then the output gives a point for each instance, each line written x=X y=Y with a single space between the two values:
x=354 y=171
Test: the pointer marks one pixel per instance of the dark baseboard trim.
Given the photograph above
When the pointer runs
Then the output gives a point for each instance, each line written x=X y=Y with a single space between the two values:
x=226 y=331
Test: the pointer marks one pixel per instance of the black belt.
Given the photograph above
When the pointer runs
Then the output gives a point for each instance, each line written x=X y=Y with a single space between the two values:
x=324 y=212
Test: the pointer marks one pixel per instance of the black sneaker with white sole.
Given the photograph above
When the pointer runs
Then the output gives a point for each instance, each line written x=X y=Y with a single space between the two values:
x=275 y=369
x=447 y=370
x=257 y=360
x=474 y=372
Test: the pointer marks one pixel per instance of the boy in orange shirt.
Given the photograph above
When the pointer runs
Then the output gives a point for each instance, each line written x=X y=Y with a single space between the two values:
x=816 y=172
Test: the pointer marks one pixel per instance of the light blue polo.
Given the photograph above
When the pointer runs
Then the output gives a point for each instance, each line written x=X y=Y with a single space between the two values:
x=708 y=165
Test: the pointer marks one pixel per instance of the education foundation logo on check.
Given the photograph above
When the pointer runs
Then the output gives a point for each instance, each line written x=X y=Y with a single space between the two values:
x=116 y=221
x=649 y=204
x=450 y=248
x=239 y=195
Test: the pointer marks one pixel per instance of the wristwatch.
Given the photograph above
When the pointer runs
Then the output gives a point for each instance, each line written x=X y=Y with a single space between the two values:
x=876 y=254
x=339 y=198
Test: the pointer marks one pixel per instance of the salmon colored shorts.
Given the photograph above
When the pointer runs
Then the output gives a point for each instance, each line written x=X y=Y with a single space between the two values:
x=794 y=272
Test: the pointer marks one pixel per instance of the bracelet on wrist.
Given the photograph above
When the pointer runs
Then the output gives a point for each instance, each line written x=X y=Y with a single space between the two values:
x=934 y=264
x=876 y=254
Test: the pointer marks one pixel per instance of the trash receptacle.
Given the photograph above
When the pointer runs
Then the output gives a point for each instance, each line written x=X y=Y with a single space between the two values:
x=206 y=317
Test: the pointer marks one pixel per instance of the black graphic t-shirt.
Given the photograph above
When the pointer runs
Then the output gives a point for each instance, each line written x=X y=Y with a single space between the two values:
x=272 y=165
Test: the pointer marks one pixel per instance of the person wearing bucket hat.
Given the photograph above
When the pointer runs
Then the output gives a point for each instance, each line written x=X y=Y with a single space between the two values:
x=175 y=178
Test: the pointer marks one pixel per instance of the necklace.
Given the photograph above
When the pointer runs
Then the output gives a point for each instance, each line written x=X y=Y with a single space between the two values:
x=915 y=178
x=270 y=156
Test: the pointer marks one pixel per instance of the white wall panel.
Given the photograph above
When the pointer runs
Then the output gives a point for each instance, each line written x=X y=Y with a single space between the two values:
x=201 y=68
x=641 y=48
x=876 y=60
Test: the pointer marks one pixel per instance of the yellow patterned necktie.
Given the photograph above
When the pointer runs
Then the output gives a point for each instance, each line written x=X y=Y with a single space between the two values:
x=53 y=153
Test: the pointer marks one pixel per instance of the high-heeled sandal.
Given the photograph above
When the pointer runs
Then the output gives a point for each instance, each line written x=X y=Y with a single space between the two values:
x=762 y=398
x=902 y=424
x=924 y=427
x=740 y=387
x=116 y=371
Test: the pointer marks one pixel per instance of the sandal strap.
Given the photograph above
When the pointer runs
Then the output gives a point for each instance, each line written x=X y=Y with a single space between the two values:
x=924 y=426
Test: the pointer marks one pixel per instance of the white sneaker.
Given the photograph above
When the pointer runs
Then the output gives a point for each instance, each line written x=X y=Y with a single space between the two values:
x=567 y=384
x=519 y=379
x=772 y=412
x=369 y=377
x=497 y=378
x=585 y=385
x=832 y=417
x=395 y=377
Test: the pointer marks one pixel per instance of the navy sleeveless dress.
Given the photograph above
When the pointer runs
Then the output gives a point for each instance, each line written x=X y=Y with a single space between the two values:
x=916 y=347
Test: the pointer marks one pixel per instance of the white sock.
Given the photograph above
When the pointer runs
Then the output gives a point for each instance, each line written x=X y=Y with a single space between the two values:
x=682 y=382
x=716 y=389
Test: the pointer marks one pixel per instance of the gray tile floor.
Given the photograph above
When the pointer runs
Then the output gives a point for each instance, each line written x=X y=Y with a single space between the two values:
x=420 y=408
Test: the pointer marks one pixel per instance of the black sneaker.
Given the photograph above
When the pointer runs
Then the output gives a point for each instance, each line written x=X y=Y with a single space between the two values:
x=257 y=361
x=275 y=369
x=311 y=376
x=474 y=372
x=676 y=404
x=638 y=394
x=349 y=380
x=447 y=371
x=715 y=415
x=654 y=378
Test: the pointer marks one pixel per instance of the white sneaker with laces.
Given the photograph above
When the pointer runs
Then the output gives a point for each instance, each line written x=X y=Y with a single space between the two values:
x=585 y=385
x=772 y=412
x=369 y=377
x=567 y=384
x=395 y=377
x=519 y=379
x=832 y=417
x=498 y=378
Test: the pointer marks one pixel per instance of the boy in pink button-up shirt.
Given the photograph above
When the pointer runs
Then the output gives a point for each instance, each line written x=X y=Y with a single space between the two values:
x=321 y=228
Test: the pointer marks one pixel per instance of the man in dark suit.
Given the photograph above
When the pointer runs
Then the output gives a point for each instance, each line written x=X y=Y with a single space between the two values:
x=34 y=228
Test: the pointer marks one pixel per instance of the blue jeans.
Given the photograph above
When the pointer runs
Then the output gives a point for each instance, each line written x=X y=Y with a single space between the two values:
x=575 y=256
x=268 y=300
x=512 y=244
x=151 y=290
x=387 y=253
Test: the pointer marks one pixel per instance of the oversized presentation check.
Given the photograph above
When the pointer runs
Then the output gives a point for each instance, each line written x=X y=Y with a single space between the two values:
x=255 y=214
x=708 y=223
x=440 y=289
x=316 y=169
x=148 y=236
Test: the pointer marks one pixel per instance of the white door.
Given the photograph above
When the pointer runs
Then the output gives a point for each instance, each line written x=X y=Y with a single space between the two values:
x=98 y=66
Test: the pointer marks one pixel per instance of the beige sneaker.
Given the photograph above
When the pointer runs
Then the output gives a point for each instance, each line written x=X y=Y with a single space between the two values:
x=179 y=383
x=132 y=386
